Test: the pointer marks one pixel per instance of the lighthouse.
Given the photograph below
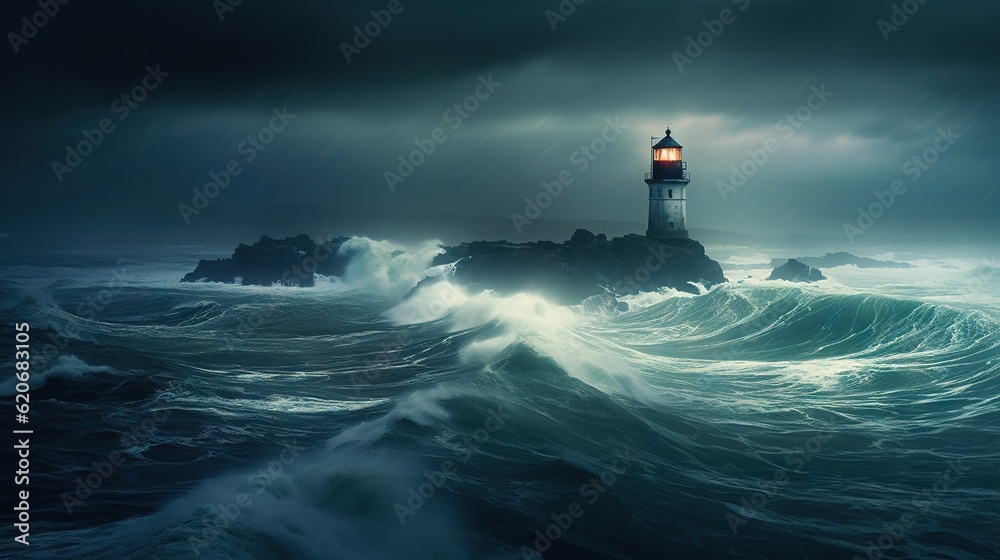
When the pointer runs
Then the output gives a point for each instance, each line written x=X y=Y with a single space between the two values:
x=668 y=180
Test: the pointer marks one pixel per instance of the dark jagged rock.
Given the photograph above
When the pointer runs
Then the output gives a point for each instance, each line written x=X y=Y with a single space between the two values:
x=795 y=271
x=566 y=273
x=842 y=258
x=289 y=262
x=584 y=266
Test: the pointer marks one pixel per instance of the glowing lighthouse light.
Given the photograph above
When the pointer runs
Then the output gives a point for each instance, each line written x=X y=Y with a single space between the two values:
x=667 y=154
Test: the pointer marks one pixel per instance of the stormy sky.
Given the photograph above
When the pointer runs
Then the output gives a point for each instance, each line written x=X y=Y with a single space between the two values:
x=896 y=81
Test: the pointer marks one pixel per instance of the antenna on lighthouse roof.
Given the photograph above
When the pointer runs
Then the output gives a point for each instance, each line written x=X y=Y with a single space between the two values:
x=668 y=128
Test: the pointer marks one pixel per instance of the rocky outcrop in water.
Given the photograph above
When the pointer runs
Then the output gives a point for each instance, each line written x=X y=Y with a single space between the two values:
x=584 y=266
x=290 y=262
x=795 y=271
x=842 y=258
x=565 y=273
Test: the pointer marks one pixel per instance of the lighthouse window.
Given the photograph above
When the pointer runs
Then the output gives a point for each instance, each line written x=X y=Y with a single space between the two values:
x=670 y=225
x=670 y=193
x=667 y=154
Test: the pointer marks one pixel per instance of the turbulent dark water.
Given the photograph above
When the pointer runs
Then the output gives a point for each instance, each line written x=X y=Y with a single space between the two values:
x=756 y=420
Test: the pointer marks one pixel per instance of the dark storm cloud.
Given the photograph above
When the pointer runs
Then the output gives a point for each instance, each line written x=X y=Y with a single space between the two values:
x=94 y=48
x=606 y=59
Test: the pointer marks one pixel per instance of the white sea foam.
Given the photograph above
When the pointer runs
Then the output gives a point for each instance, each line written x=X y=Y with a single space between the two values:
x=421 y=407
x=66 y=367
x=386 y=268
x=551 y=330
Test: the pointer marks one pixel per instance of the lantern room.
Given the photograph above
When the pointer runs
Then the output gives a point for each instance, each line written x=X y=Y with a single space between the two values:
x=667 y=181
x=668 y=161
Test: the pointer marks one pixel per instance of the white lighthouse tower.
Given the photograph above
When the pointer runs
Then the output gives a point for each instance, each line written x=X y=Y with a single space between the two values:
x=668 y=180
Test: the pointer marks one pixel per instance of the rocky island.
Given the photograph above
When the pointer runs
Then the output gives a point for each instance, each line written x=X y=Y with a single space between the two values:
x=568 y=272
x=585 y=265
x=843 y=258
x=795 y=271
x=293 y=261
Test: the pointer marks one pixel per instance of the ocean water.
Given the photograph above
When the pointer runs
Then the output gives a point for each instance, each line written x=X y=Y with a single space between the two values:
x=857 y=417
